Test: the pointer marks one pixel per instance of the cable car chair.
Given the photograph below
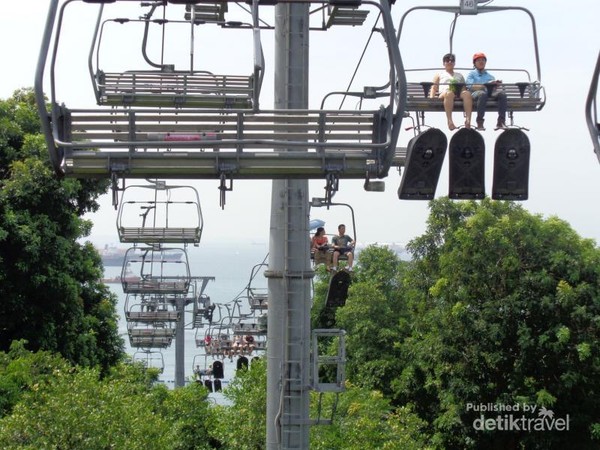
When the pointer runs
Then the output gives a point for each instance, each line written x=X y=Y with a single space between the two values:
x=159 y=213
x=157 y=271
x=524 y=93
x=165 y=86
x=149 y=309
x=222 y=143
x=150 y=358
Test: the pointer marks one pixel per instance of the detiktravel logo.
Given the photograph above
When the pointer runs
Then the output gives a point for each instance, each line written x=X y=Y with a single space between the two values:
x=516 y=417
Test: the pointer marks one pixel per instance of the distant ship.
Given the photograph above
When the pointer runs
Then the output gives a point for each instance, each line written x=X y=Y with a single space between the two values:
x=111 y=255
x=114 y=256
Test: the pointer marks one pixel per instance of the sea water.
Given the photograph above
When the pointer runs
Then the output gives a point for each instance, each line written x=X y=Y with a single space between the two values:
x=231 y=265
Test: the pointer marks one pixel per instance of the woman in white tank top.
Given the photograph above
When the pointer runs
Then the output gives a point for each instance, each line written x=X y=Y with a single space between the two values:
x=444 y=89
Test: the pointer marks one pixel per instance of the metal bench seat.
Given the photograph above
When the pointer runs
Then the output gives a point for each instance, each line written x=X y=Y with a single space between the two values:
x=150 y=341
x=259 y=302
x=520 y=97
x=152 y=316
x=196 y=143
x=346 y=15
x=243 y=328
x=160 y=213
x=152 y=235
x=175 y=89
x=151 y=332
x=173 y=129
x=159 y=285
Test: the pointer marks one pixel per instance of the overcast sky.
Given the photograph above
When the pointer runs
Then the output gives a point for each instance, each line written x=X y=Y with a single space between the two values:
x=564 y=172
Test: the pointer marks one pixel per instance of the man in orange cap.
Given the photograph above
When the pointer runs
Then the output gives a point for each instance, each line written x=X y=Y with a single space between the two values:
x=477 y=80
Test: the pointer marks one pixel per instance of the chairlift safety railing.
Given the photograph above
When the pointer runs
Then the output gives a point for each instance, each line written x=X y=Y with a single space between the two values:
x=591 y=109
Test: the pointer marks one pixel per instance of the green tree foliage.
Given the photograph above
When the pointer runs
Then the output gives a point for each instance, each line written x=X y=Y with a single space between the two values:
x=20 y=370
x=71 y=408
x=59 y=406
x=364 y=419
x=188 y=412
x=372 y=319
x=506 y=311
x=241 y=423
x=49 y=283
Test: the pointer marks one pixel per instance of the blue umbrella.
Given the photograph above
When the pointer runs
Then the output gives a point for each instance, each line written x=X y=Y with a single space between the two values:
x=315 y=223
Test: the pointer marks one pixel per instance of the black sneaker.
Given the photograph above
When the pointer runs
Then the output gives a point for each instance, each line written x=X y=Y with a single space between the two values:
x=480 y=125
x=501 y=124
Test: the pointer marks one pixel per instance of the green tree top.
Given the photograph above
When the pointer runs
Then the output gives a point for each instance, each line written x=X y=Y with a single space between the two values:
x=507 y=311
x=49 y=283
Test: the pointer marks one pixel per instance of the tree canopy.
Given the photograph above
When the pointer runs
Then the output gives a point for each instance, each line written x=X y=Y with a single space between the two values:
x=506 y=311
x=56 y=405
x=49 y=282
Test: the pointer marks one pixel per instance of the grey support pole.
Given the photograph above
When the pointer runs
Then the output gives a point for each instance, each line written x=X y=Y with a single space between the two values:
x=180 y=342
x=289 y=274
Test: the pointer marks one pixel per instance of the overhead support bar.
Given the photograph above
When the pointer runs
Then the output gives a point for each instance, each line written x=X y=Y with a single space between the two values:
x=207 y=165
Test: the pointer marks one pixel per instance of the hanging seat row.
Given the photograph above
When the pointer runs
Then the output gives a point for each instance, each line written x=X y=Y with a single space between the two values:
x=165 y=122
x=149 y=309
x=520 y=96
x=176 y=89
x=148 y=270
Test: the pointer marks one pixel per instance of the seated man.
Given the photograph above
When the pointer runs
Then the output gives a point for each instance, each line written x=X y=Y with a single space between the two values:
x=477 y=81
x=343 y=245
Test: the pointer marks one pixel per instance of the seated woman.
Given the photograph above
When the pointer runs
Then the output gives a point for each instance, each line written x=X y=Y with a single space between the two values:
x=237 y=345
x=249 y=340
x=447 y=86
x=320 y=248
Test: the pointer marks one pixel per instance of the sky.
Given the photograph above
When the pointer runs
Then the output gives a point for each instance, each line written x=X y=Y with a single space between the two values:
x=564 y=171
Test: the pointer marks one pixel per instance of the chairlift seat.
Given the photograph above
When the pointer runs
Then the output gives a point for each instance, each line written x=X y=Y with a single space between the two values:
x=245 y=328
x=175 y=89
x=152 y=235
x=152 y=332
x=152 y=316
x=221 y=129
x=259 y=301
x=160 y=213
x=521 y=96
x=346 y=15
x=157 y=285
x=206 y=12
x=150 y=341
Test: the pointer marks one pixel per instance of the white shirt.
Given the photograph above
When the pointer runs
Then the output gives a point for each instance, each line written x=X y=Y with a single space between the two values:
x=446 y=78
